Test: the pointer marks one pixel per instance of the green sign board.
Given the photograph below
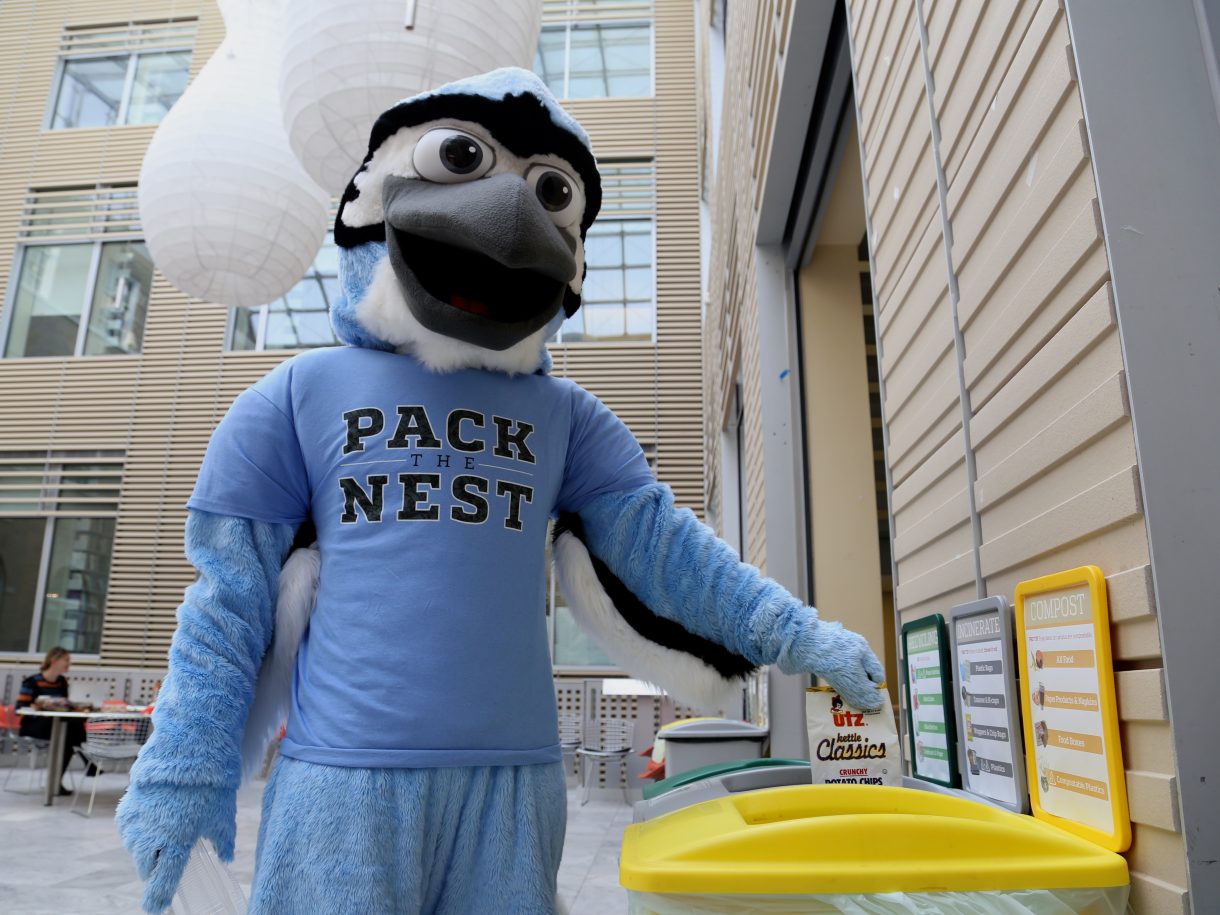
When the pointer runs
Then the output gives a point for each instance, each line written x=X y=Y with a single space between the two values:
x=930 y=708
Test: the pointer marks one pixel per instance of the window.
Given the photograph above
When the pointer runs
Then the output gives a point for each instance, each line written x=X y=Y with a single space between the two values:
x=618 y=298
x=129 y=73
x=585 y=59
x=83 y=276
x=76 y=299
x=57 y=517
x=120 y=89
x=298 y=320
x=572 y=646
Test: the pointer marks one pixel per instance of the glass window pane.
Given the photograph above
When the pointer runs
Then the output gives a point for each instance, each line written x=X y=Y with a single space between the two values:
x=587 y=63
x=573 y=329
x=120 y=299
x=609 y=60
x=62 y=219
x=573 y=646
x=117 y=212
x=21 y=487
x=629 y=62
x=77 y=579
x=639 y=284
x=20 y=560
x=90 y=92
x=50 y=295
x=326 y=261
x=330 y=288
x=298 y=330
x=603 y=286
x=637 y=244
x=160 y=80
x=80 y=477
x=602 y=248
x=618 y=295
x=548 y=62
x=245 y=328
x=300 y=319
x=639 y=321
x=305 y=296
x=605 y=322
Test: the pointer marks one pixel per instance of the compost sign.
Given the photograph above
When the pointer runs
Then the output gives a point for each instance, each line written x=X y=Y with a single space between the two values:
x=990 y=757
x=1075 y=765
x=930 y=722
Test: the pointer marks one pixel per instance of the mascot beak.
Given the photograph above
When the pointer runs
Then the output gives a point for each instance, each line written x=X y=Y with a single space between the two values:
x=480 y=261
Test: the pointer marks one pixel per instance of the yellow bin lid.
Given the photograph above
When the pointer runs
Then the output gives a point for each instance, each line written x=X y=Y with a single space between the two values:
x=856 y=839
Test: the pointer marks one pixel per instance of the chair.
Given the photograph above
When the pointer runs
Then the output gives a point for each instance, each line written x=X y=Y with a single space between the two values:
x=607 y=740
x=35 y=748
x=112 y=743
x=8 y=736
x=569 y=738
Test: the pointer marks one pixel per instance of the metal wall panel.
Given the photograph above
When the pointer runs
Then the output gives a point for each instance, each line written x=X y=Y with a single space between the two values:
x=754 y=41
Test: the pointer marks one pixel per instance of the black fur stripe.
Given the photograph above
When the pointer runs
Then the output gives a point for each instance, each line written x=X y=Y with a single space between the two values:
x=657 y=629
x=306 y=535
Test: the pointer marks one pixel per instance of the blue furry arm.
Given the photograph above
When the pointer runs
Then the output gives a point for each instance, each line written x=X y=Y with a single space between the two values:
x=681 y=570
x=184 y=783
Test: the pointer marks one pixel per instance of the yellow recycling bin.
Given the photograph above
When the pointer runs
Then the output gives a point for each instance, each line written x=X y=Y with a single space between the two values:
x=863 y=849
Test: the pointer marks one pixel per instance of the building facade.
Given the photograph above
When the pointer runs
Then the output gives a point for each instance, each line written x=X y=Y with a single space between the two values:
x=1023 y=396
x=112 y=380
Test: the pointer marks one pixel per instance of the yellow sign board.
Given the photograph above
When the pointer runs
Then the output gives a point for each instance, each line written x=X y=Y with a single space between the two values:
x=1073 y=756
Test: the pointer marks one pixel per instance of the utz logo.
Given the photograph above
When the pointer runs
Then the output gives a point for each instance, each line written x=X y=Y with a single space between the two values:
x=844 y=718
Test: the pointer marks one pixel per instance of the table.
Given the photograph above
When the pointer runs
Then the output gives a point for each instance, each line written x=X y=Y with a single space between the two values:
x=623 y=686
x=55 y=754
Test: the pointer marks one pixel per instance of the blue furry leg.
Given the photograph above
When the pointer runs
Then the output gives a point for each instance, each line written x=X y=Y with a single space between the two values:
x=454 y=841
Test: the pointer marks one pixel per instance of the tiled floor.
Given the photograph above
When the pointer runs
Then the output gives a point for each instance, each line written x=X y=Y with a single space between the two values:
x=53 y=862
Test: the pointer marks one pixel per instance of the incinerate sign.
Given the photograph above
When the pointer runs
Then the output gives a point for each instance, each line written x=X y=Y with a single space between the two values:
x=984 y=682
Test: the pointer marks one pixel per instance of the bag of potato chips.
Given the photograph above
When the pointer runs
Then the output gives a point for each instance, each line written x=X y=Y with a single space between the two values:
x=850 y=747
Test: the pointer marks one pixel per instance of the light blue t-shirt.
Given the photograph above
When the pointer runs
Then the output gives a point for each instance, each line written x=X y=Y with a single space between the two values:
x=431 y=494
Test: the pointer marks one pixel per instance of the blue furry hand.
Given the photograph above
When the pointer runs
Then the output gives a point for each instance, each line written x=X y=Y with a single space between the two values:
x=839 y=656
x=160 y=825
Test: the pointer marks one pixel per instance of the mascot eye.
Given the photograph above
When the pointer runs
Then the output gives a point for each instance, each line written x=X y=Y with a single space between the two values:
x=558 y=193
x=447 y=156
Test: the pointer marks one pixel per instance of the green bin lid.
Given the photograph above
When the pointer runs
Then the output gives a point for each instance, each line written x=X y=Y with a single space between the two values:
x=656 y=789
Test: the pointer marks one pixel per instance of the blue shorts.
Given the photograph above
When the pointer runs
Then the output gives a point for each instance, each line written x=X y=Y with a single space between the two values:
x=443 y=841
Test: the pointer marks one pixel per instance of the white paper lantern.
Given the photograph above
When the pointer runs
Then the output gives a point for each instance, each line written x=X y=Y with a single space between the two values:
x=229 y=214
x=345 y=63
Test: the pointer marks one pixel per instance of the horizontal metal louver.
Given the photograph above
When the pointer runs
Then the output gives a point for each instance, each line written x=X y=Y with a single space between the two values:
x=592 y=10
x=79 y=212
x=628 y=188
x=60 y=482
x=125 y=37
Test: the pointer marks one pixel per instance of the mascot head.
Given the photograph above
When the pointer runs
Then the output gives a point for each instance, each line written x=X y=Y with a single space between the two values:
x=461 y=236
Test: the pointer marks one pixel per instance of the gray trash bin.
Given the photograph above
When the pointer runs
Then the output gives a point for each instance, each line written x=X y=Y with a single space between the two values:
x=701 y=743
x=721 y=786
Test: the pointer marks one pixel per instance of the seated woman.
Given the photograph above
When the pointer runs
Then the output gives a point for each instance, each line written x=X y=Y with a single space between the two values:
x=50 y=681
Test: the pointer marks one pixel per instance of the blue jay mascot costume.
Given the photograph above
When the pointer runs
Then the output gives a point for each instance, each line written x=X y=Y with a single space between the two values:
x=407 y=648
